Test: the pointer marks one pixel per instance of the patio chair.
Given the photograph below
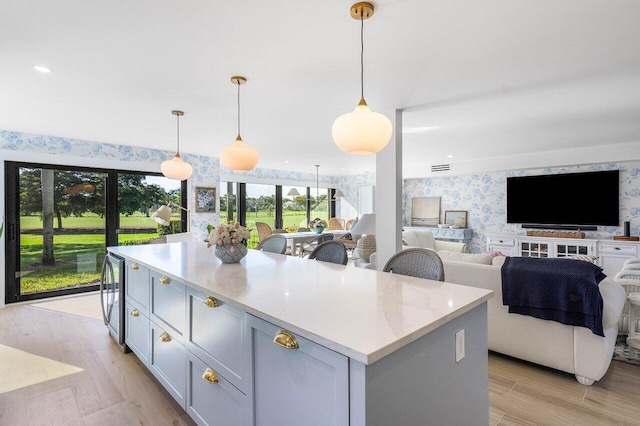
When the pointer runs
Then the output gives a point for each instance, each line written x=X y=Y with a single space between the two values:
x=416 y=262
x=276 y=243
x=336 y=223
x=330 y=251
x=264 y=230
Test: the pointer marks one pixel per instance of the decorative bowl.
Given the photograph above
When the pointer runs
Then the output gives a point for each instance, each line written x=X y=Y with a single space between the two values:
x=318 y=229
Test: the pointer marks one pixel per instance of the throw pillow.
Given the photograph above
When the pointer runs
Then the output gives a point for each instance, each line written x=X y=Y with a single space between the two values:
x=494 y=253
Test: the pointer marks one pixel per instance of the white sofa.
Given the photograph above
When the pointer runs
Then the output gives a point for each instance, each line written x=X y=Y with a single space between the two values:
x=572 y=349
x=424 y=238
x=419 y=238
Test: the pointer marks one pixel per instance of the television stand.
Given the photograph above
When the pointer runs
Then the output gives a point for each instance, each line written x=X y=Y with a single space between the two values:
x=560 y=227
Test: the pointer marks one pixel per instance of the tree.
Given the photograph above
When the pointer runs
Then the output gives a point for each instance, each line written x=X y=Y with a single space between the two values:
x=48 y=257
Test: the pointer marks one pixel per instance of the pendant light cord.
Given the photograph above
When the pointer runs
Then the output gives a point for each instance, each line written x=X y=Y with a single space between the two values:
x=178 y=131
x=238 y=107
x=362 y=55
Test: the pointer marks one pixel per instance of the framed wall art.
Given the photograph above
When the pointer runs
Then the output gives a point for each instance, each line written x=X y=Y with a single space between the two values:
x=205 y=199
x=425 y=211
x=457 y=218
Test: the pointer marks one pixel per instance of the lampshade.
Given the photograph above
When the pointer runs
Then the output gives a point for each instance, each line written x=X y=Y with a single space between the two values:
x=338 y=194
x=176 y=168
x=162 y=216
x=366 y=225
x=238 y=156
x=293 y=192
x=362 y=132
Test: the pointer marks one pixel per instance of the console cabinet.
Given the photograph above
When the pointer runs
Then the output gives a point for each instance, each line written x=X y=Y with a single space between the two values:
x=611 y=254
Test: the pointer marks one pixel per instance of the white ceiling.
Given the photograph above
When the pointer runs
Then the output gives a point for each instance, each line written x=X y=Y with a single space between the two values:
x=508 y=76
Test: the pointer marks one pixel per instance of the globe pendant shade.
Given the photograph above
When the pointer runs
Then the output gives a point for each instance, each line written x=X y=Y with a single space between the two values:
x=239 y=157
x=362 y=132
x=176 y=168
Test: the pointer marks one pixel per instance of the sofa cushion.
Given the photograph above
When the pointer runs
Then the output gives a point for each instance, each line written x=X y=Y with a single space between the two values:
x=419 y=238
x=465 y=257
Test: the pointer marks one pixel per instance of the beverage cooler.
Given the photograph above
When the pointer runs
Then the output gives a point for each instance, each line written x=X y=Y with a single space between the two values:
x=112 y=297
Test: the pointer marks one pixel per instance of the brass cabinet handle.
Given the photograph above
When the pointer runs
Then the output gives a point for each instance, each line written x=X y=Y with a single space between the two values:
x=285 y=340
x=165 y=280
x=135 y=313
x=135 y=266
x=164 y=337
x=210 y=376
x=210 y=302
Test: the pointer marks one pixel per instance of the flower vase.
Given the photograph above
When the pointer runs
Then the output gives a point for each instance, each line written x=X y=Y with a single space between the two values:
x=230 y=253
x=318 y=229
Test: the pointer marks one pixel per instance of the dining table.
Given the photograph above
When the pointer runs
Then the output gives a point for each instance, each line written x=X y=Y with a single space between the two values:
x=295 y=239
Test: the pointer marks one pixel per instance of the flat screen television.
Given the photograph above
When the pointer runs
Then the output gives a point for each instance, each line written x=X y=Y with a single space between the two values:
x=570 y=199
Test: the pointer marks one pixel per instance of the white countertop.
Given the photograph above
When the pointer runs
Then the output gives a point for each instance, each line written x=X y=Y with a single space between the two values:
x=360 y=313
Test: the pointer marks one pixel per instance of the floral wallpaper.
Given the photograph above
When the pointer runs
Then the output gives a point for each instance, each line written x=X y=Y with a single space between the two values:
x=484 y=199
x=482 y=195
x=206 y=170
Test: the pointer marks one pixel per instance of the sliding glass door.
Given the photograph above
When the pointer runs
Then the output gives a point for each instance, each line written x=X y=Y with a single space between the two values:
x=60 y=219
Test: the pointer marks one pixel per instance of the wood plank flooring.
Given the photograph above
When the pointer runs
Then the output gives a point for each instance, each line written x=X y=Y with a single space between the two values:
x=87 y=380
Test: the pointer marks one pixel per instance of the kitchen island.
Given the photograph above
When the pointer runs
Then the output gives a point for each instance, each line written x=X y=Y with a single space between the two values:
x=282 y=340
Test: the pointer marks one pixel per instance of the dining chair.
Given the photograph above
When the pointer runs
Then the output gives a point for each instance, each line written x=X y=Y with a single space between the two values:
x=275 y=243
x=308 y=247
x=336 y=223
x=330 y=251
x=264 y=230
x=416 y=262
x=348 y=225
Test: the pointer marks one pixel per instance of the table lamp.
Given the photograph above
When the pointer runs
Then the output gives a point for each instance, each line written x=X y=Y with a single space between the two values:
x=163 y=215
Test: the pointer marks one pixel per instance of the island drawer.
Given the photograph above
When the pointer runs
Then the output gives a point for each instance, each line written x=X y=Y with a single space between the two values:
x=217 y=335
x=137 y=285
x=310 y=380
x=168 y=362
x=168 y=304
x=211 y=398
x=137 y=332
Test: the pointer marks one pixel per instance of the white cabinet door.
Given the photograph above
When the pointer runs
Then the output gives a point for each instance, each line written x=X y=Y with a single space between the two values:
x=308 y=385
x=612 y=255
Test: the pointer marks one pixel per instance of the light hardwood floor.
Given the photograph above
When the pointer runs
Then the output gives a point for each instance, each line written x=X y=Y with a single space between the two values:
x=59 y=367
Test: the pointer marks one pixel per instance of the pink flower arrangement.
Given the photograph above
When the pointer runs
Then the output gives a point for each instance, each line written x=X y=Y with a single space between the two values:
x=317 y=223
x=228 y=234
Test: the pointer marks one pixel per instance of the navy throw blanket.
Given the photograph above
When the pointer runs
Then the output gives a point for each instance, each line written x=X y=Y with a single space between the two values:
x=562 y=290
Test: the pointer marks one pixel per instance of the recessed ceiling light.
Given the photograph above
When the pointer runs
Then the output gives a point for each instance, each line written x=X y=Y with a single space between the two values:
x=286 y=161
x=449 y=156
x=419 y=129
x=42 y=69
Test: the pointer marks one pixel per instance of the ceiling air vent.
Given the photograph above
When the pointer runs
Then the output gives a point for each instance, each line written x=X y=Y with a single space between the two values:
x=440 y=168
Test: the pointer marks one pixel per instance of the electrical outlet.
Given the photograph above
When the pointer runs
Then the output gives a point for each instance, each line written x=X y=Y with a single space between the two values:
x=459 y=345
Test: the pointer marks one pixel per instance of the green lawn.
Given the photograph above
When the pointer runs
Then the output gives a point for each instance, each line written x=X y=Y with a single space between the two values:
x=79 y=256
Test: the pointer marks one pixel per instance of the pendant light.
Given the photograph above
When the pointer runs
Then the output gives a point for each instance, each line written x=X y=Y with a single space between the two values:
x=362 y=132
x=176 y=168
x=238 y=156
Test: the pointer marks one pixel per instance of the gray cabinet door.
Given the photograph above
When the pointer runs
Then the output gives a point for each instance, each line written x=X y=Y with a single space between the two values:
x=137 y=332
x=217 y=335
x=137 y=286
x=168 y=362
x=168 y=304
x=212 y=399
x=308 y=385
